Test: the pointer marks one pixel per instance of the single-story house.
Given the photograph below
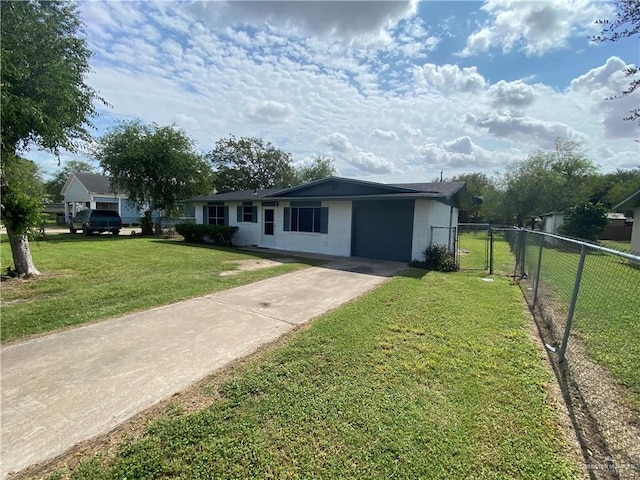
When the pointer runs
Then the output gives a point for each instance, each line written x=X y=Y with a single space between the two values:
x=90 y=190
x=632 y=202
x=341 y=216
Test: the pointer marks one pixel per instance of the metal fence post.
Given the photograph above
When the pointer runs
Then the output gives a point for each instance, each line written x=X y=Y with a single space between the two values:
x=574 y=299
x=490 y=250
x=535 y=292
x=523 y=247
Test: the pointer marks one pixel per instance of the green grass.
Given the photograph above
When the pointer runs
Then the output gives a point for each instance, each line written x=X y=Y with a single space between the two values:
x=87 y=279
x=607 y=312
x=616 y=245
x=428 y=376
x=471 y=248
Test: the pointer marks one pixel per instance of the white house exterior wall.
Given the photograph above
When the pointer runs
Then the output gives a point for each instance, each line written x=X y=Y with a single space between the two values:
x=76 y=193
x=249 y=233
x=442 y=217
x=635 y=232
x=336 y=242
x=421 y=228
x=428 y=213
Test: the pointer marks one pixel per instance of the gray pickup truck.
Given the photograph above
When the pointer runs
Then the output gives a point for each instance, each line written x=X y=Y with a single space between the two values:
x=96 y=221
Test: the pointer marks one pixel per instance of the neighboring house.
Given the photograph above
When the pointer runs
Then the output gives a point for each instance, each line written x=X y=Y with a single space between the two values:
x=90 y=190
x=619 y=228
x=632 y=202
x=550 y=222
x=340 y=216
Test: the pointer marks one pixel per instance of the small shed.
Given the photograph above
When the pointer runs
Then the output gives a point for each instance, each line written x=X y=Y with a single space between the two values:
x=632 y=202
x=551 y=222
x=91 y=190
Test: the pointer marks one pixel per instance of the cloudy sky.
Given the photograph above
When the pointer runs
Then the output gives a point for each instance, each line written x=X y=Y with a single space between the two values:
x=392 y=91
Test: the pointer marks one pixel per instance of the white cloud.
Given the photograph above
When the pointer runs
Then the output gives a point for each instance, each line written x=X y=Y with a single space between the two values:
x=599 y=85
x=448 y=78
x=460 y=154
x=270 y=111
x=321 y=95
x=512 y=94
x=369 y=162
x=517 y=128
x=349 y=21
x=388 y=135
x=338 y=142
x=535 y=27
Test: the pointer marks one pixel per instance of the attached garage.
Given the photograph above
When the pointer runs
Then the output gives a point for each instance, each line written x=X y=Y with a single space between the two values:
x=382 y=229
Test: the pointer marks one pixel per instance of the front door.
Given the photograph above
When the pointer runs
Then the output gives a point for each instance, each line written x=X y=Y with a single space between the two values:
x=269 y=227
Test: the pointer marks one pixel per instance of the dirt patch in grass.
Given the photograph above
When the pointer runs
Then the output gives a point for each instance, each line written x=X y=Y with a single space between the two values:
x=250 y=264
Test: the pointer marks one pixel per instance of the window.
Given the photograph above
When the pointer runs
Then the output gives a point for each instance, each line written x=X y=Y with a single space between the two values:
x=306 y=219
x=247 y=213
x=215 y=215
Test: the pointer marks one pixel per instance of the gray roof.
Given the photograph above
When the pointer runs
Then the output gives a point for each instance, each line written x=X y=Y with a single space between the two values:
x=238 y=195
x=441 y=188
x=96 y=183
x=435 y=190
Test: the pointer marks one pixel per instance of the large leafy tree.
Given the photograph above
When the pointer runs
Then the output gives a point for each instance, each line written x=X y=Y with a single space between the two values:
x=55 y=185
x=44 y=101
x=547 y=181
x=248 y=163
x=319 y=168
x=625 y=25
x=157 y=166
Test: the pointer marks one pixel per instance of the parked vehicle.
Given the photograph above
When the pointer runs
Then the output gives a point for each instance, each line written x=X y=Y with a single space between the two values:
x=96 y=221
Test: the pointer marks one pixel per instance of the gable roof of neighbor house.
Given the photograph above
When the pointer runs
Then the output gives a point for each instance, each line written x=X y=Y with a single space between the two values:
x=92 y=183
x=338 y=188
x=629 y=203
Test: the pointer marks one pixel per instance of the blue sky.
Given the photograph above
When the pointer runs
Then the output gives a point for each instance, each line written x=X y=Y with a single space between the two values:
x=392 y=91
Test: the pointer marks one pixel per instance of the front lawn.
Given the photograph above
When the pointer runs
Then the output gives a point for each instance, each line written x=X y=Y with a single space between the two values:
x=428 y=376
x=93 y=278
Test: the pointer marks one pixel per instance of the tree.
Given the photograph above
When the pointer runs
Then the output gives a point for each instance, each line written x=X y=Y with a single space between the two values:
x=44 y=101
x=585 y=221
x=54 y=186
x=156 y=165
x=546 y=181
x=22 y=195
x=479 y=185
x=248 y=163
x=625 y=25
x=612 y=188
x=321 y=167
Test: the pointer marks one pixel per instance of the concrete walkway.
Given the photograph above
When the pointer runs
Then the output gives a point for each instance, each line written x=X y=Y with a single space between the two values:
x=63 y=388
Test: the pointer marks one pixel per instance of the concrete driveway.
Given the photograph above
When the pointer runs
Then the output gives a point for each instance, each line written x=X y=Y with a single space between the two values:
x=63 y=388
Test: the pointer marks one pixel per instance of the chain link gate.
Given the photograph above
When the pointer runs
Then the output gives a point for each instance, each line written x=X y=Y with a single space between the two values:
x=473 y=246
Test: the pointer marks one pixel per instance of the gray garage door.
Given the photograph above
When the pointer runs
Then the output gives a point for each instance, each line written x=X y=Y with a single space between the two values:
x=382 y=229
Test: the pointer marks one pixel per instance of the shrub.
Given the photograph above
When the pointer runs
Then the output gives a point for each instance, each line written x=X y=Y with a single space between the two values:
x=216 y=234
x=437 y=257
x=585 y=221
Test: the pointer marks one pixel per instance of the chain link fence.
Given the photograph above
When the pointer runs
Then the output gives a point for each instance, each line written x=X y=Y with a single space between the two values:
x=586 y=302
